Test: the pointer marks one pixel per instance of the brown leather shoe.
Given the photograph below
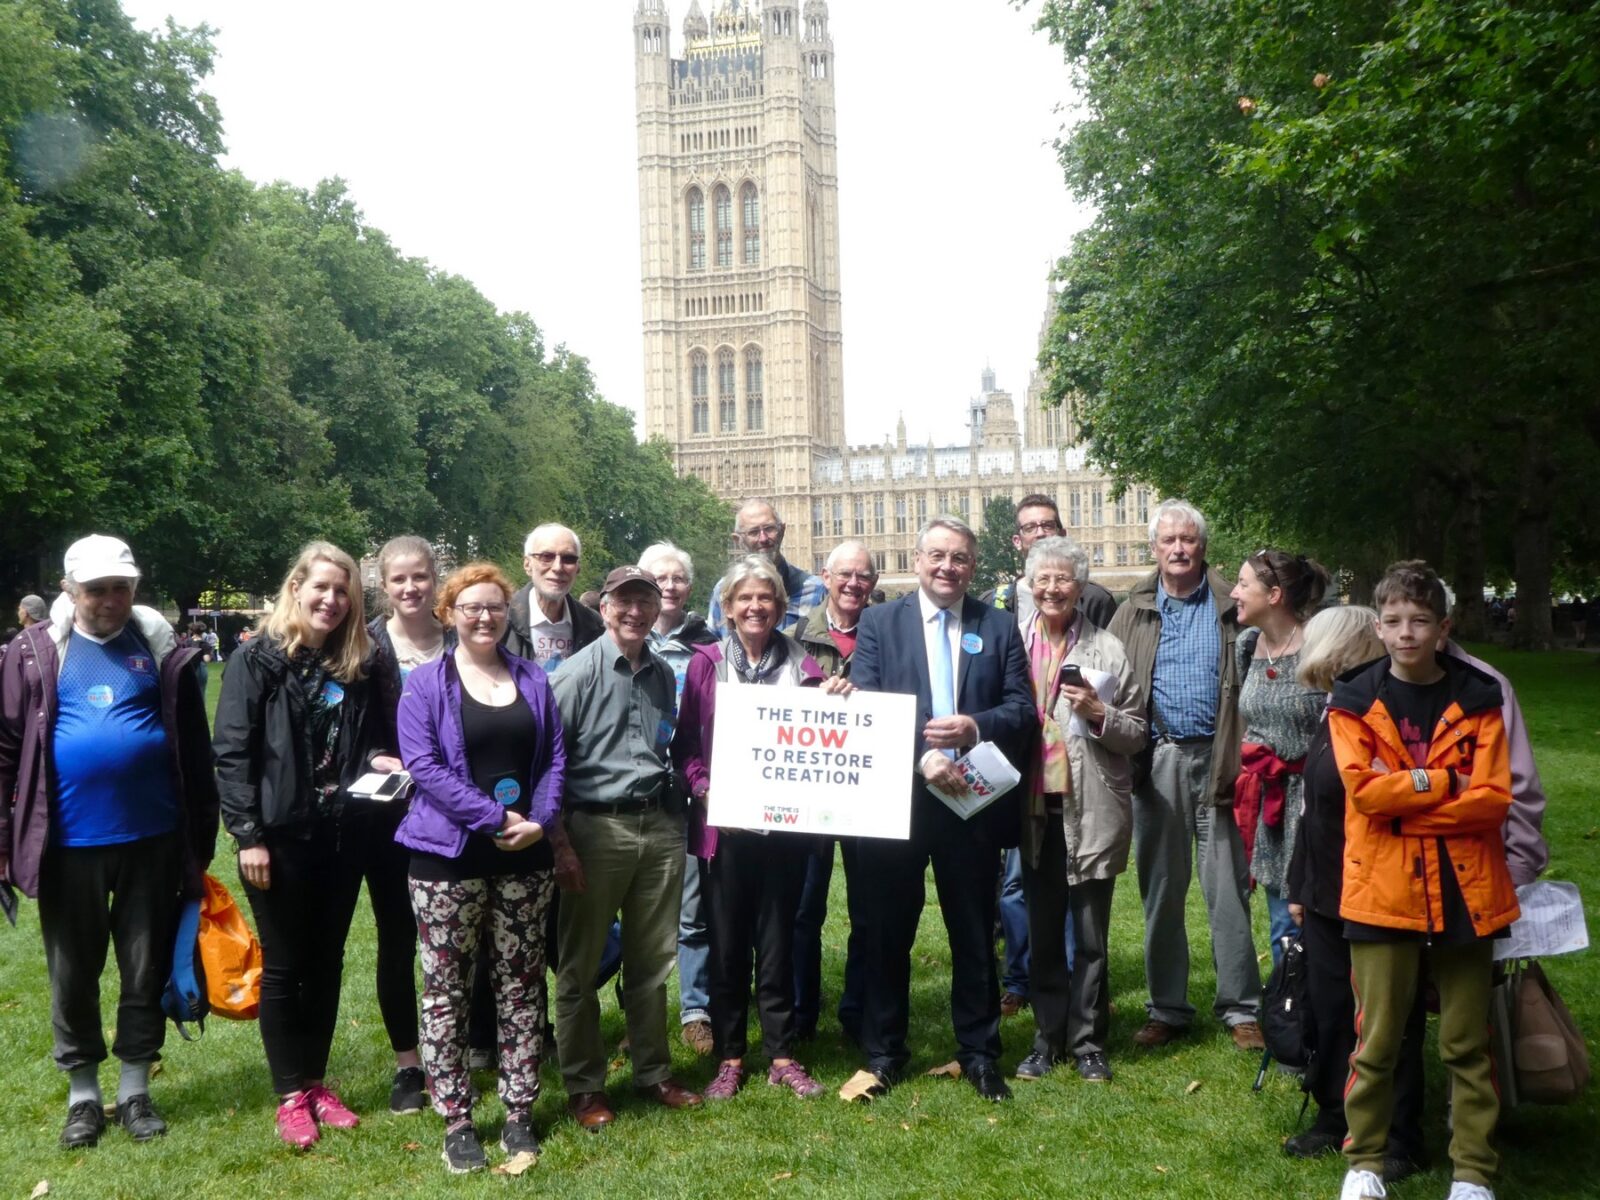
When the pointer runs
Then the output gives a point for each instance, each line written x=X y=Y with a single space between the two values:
x=590 y=1110
x=1155 y=1033
x=1247 y=1036
x=670 y=1094
x=1011 y=1004
x=697 y=1036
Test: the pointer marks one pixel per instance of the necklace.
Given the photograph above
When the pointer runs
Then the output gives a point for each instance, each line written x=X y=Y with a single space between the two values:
x=1272 y=659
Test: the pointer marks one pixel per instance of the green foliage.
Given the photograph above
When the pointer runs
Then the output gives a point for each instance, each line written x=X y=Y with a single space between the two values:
x=1341 y=283
x=998 y=560
x=220 y=372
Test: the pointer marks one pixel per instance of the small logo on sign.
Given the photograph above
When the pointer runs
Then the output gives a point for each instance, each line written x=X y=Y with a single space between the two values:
x=99 y=695
x=508 y=792
x=779 y=814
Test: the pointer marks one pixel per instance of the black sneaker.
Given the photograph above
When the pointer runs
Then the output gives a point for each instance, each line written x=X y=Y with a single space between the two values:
x=517 y=1136
x=462 y=1153
x=409 y=1093
x=1313 y=1143
x=1036 y=1066
x=86 y=1121
x=139 y=1117
x=1093 y=1067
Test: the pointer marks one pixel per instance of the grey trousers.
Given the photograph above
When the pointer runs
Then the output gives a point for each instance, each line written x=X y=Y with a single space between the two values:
x=1172 y=819
x=633 y=864
x=1071 y=1008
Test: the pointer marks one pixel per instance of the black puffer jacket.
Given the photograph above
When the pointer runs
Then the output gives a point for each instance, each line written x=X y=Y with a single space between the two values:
x=261 y=747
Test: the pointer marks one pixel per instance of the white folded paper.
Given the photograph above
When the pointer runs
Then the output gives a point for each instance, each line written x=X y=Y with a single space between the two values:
x=1551 y=922
x=1104 y=684
x=989 y=776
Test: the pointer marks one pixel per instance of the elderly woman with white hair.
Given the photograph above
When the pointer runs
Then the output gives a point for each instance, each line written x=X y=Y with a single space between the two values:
x=753 y=877
x=1077 y=823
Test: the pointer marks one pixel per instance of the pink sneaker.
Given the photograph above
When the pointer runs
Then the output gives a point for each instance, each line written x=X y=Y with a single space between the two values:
x=730 y=1078
x=296 y=1125
x=329 y=1109
x=793 y=1076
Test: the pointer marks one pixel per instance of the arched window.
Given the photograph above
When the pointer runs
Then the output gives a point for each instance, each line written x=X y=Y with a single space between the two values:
x=697 y=230
x=700 y=405
x=754 y=402
x=750 y=203
x=723 y=200
x=727 y=406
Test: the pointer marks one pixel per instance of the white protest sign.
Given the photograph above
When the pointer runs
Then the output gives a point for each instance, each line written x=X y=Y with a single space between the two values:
x=793 y=759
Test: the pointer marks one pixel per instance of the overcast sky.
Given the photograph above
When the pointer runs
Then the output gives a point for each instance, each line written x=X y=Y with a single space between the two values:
x=495 y=138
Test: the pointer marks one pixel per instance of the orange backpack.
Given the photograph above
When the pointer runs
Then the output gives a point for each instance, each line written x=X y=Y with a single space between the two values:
x=231 y=955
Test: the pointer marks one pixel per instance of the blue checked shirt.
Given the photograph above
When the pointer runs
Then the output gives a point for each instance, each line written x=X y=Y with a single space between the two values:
x=1184 y=685
x=805 y=593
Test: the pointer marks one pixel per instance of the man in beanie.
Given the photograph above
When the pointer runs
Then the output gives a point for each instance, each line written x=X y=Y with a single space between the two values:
x=106 y=791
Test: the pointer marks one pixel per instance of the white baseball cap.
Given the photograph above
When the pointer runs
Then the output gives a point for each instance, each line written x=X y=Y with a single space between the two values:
x=99 y=557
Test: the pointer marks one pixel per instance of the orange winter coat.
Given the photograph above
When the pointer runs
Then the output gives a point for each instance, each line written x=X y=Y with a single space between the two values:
x=1395 y=819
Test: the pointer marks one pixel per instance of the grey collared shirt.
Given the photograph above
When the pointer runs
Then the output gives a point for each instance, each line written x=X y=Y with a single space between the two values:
x=617 y=724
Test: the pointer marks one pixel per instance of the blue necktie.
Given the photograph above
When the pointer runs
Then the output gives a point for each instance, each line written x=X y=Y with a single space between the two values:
x=943 y=674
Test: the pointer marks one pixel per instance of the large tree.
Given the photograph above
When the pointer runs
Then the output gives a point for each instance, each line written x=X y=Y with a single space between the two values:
x=1342 y=278
x=220 y=372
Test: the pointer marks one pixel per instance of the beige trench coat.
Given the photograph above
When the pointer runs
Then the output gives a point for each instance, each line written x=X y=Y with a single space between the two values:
x=1098 y=817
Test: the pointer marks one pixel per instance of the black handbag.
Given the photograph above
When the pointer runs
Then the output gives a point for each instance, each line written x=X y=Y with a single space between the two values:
x=1285 y=1009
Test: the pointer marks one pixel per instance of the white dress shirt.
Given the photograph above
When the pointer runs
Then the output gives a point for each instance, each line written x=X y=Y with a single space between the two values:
x=930 y=634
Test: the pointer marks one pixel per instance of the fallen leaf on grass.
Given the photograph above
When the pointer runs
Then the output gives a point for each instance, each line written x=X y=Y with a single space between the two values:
x=1160 y=1168
x=906 y=1125
x=994 y=1120
x=863 y=1085
x=1194 y=1086
x=950 y=1070
x=155 y=1069
x=783 y=1175
x=516 y=1164
x=413 y=1146
x=42 y=1188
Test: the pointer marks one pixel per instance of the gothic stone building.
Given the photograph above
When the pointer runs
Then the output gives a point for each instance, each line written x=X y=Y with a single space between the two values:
x=739 y=250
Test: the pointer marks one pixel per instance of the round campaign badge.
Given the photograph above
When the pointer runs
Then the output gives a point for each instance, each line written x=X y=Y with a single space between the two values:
x=664 y=731
x=971 y=643
x=332 y=693
x=508 y=792
x=99 y=695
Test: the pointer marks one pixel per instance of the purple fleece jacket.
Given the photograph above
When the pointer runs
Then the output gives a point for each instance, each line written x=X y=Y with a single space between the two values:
x=447 y=805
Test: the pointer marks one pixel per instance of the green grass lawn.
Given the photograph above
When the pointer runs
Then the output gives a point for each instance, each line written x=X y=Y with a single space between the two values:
x=1178 y=1122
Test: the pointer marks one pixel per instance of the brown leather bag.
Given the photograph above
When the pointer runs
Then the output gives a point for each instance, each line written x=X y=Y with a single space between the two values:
x=1548 y=1053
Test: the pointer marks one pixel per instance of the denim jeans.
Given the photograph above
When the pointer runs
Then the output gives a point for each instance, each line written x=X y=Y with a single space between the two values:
x=694 y=946
x=1279 y=922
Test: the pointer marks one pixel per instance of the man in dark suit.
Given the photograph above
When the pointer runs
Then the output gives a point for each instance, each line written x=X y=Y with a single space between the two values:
x=965 y=663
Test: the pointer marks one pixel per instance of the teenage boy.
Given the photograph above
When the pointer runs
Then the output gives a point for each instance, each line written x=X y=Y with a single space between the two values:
x=1421 y=747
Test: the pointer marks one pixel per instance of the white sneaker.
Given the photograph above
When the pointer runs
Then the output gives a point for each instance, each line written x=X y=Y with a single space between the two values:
x=1462 y=1190
x=1362 y=1185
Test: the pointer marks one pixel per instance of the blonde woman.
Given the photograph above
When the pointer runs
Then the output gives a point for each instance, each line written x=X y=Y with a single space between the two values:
x=295 y=726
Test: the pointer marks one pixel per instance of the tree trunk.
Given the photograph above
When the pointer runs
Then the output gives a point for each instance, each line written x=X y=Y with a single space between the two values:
x=1531 y=547
x=1471 y=617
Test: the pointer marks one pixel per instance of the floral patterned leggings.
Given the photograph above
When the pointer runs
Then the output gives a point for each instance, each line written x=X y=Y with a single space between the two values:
x=451 y=920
